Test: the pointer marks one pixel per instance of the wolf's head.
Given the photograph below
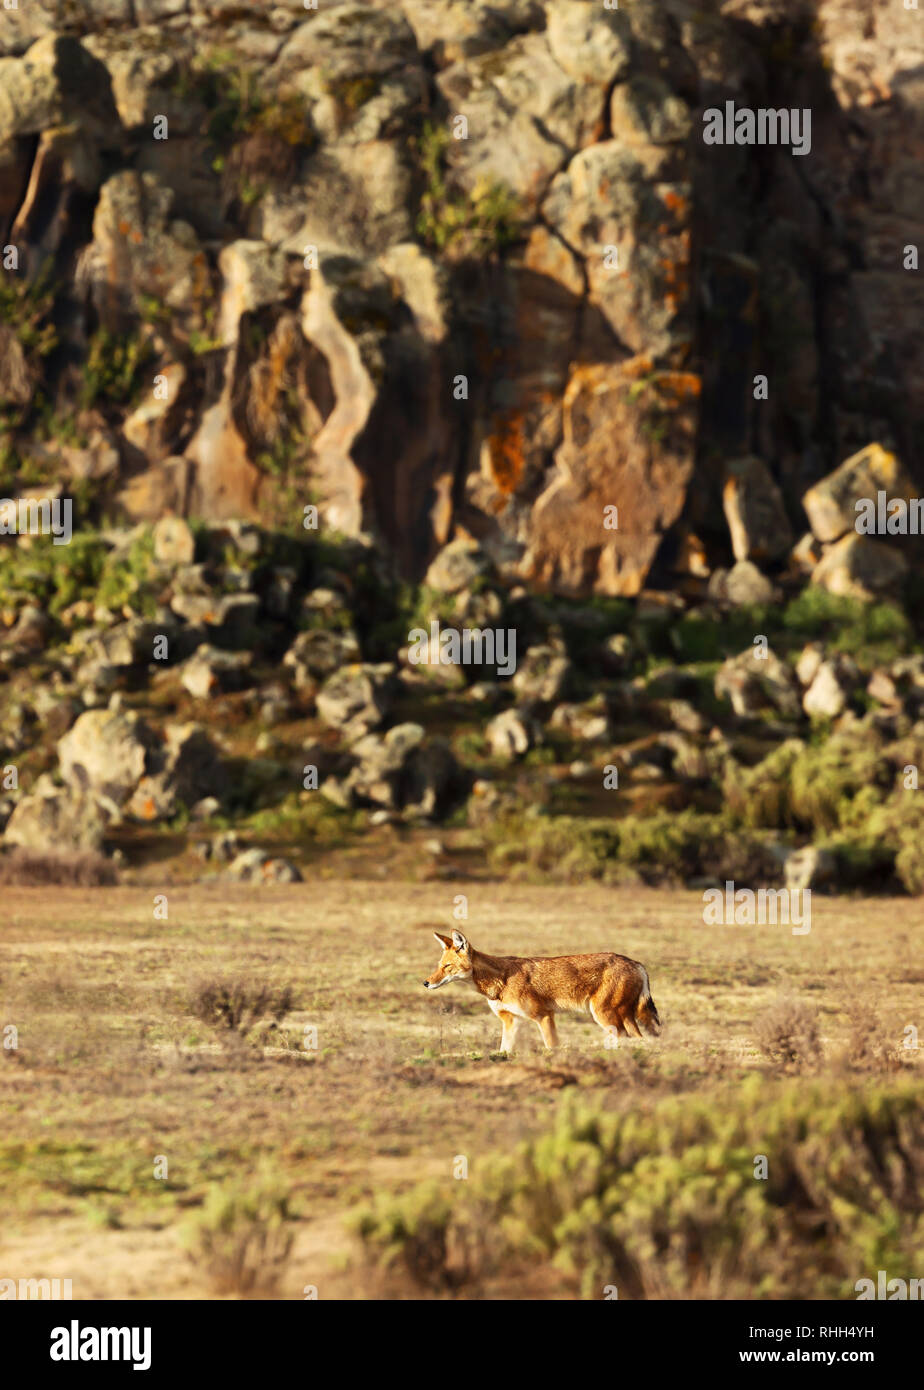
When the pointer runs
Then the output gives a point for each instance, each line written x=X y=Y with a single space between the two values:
x=455 y=962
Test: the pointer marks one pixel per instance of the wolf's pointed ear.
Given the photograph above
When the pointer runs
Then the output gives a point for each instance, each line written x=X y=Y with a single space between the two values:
x=459 y=941
x=445 y=941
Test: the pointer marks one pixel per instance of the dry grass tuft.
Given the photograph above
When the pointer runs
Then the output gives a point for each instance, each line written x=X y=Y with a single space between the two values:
x=29 y=868
x=787 y=1034
x=238 y=1004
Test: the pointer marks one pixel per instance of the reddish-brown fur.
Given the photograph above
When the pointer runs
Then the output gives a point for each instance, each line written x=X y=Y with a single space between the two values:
x=612 y=988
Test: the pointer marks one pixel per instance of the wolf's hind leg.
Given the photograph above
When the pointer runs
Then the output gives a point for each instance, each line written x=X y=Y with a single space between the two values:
x=610 y=1018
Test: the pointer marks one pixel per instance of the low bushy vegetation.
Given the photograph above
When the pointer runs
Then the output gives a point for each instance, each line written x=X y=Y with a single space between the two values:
x=29 y=868
x=457 y=224
x=662 y=846
x=671 y=1203
x=239 y=1004
x=57 y=576
x=241 y=1238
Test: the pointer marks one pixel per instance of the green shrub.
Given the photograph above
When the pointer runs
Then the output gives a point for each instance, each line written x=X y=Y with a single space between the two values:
x=874 y=634
x=112 y=371
x=666 y=1204
x=459 y=224
x=809 y=786
x=27 y=307
x=665 y=846
x=54 y=576
x=241 y=1238
x=128 y=577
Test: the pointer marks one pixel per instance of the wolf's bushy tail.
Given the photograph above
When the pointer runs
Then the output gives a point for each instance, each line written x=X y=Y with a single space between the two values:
x=646 y=1015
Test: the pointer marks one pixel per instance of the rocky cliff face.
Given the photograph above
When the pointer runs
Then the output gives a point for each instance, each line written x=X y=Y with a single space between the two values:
x=451 y=268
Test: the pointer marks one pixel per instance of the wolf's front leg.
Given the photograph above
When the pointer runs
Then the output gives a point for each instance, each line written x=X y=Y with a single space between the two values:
x=548 y=1031
x=510 y=1023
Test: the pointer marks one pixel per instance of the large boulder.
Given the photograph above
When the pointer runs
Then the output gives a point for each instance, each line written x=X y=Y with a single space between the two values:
x=356 y=698
x=402 y=770
x=138 y=249
x=754 y=510
x=831 y=505
x=383 y=446
x=506 y=146
x=857 y=567
x=753 y=683
x=106 y=752
x=511 y=734
x=54 y=818
x=182 y=769
x=359 y=69
x=613 y=195
x=627 y=445
x=57 y=81
x=590 y=43
x=316 y=654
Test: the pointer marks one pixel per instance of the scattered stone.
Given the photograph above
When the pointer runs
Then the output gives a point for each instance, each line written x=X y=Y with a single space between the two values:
x=225 y=846
x=857 y=567
x=258 y=866
x=754 y=683
x=616 y=654
x=809 y=868
x=883 y=689
x=401 y=771
x=511 y=734
x=210 y=671
x=232 y=619
x=456 y=567
x=317 y=654
x=755 y=513
x=688 y=760
x=809 y=661
x=686 y=717
x=543 y=674
x=831 y=504
x=174 y=543
x=744 y=584
x=107 y=752
x=182 y=769
x=589 y=721
x=57 y=818
x=828 y=693
x=486 y=692
x=28 y=636
x=356 y=698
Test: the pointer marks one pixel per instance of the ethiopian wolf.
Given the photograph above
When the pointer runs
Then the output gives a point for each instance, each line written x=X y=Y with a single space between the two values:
x=613 y=989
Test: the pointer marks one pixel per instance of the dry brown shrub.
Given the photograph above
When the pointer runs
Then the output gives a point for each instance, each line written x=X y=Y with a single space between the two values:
x=787 y=1034
x=29 y=868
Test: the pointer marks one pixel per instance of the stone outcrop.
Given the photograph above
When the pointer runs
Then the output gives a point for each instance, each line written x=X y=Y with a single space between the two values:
x=540 y=330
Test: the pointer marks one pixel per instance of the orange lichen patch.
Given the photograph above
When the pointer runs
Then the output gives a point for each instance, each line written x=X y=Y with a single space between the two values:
x=505 y=452
x=676 y=203
x=124 y=227
x=677 y=387
x=638 y=366
x=676 y=278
